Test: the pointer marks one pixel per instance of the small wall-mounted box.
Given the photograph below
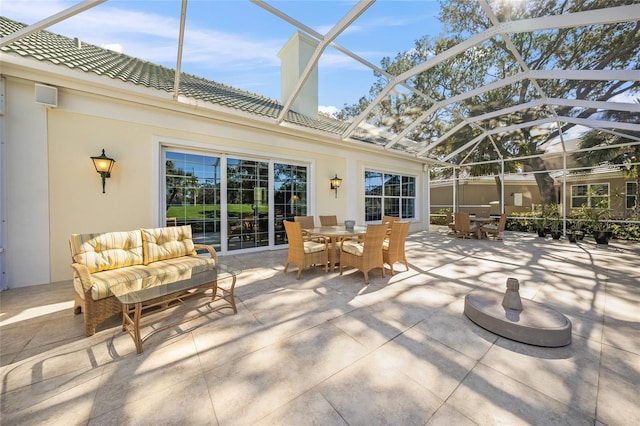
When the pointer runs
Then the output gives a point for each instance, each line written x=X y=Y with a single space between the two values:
x=46 y=95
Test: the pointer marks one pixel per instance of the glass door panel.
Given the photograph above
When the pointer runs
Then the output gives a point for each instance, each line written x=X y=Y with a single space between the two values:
x=289 y=196
x=193 y=194
x=247 y=203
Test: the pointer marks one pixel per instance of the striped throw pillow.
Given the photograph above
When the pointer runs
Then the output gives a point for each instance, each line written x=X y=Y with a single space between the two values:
x=166 y=243
x=106 y=251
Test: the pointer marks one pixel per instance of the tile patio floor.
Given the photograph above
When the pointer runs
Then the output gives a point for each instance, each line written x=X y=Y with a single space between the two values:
x=328 y=350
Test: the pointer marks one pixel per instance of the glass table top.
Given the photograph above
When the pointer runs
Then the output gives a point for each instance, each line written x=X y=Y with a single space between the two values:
x=148 y=288
x=338 y=231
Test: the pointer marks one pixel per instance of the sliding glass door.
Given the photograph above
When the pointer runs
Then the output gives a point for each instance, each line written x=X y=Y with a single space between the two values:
x=259 y=195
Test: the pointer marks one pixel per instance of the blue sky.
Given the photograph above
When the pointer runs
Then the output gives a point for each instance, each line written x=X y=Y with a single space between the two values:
x=236 y=42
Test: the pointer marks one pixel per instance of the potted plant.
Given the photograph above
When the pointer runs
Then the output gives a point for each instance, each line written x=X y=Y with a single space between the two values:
x=575 y=233
x=597 y=220
x=601 y=230
x=543 y=224
x=550 y=222
x=555 y=225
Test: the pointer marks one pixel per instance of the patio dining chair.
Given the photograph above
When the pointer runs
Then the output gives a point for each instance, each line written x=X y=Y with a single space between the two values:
x=306 y=222
x=393 y=245
x=463 y=225
x=235 y=229
x=304 y=253
x=388 y=220
x=450 y=223
x=493 y=230
x=329 y=220
x=367 y=254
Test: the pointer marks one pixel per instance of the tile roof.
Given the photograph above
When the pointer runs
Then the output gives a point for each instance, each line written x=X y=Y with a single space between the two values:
x=65 y=51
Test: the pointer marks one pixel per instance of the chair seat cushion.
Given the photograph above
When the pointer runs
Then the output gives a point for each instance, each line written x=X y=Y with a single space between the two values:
x=353 y=247
x=313 y=247
x=491 y=227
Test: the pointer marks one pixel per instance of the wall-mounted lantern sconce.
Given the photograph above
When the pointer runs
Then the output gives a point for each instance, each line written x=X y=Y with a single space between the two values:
x=103 y=165
x=335 y=184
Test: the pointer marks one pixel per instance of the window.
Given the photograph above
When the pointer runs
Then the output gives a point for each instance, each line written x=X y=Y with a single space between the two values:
x=590 y=195
x=631 y=193
x=390 y=195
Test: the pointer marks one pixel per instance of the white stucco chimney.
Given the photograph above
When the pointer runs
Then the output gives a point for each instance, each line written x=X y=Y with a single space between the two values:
x=294 y=57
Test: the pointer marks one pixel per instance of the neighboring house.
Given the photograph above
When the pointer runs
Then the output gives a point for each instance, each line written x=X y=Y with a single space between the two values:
x=481 y=195
x=605 y=183
x=214 y=156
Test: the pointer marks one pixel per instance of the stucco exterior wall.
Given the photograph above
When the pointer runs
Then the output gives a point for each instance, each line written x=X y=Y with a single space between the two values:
x=482 y=196
x=55 y=190
x=26 y=171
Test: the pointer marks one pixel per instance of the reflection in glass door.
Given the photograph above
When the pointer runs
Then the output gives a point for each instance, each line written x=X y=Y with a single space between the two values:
x=289 y=196
x=247 y=203
x=193 y=194
x=194 y=190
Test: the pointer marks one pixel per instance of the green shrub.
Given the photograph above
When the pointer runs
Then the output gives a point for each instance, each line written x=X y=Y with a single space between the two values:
x=440 y=220
x=525 y=222
x=629 y=232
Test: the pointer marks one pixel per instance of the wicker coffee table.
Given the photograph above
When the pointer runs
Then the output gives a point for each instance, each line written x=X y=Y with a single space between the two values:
x=146 y=296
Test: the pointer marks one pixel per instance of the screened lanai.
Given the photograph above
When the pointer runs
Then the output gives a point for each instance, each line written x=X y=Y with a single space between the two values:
x=480 y=88
x=527 y=104
x=485 y=107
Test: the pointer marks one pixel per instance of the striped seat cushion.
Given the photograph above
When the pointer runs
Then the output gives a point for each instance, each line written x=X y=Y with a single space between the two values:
x=106 y=251
x=313 y=247
x=351 y=247
x=166 y=243
x=101 y=282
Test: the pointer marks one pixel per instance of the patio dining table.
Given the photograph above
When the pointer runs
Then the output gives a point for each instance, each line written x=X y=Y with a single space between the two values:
x=335 y=234
x=479 y=221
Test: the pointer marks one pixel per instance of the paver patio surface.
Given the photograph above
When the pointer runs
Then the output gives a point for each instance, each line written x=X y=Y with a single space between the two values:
x=329 y=350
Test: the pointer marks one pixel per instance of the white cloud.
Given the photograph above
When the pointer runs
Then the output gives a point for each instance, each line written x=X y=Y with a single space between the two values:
x=116 y=47
x=626 y=98
x=243 y=56
x=150 y=36
x=213 y=49
x=330 y=110
x=31 y=11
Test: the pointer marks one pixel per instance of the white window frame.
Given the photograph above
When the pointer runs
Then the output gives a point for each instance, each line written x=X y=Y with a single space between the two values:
x=160 y=144
x=629 y=194
x=382 y=197
x=589 y=193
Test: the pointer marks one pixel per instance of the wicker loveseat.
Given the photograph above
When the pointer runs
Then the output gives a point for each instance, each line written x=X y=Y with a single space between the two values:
x=101 y=260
